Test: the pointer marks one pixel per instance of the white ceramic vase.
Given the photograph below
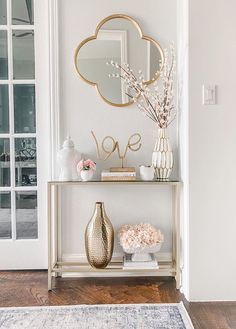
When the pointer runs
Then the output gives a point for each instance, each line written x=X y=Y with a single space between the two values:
x=86 y=175
x=146 y=172
x=68 y=158
x=162 y=156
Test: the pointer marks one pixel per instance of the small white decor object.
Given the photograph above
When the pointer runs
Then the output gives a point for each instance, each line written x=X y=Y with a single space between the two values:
x=140 y=240
x=68 y=158
x=86 y=175
x=86 y=168
x=162 y=156
x=146 y=172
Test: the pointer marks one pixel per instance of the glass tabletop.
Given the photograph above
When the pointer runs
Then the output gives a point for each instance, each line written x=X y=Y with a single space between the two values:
x=99 y=181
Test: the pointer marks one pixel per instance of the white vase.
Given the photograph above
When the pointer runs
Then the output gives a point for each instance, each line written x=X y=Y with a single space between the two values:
x=162 y=156
x=68 y=158
x=86 y=175
x=146 y=172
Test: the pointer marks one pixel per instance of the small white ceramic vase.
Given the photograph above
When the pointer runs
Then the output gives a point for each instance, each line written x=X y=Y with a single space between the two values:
x=68 y=158
x=162 y=156
x=146 y=172
x=86 y=175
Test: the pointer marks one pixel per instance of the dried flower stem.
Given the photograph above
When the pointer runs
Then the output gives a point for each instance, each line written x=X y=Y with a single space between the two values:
x=157 y=104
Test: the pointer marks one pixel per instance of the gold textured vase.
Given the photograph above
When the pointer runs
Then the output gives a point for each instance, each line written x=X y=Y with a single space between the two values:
x=99 y=238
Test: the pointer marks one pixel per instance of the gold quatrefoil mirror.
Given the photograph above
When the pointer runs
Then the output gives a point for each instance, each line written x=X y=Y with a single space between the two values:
x=118 y=38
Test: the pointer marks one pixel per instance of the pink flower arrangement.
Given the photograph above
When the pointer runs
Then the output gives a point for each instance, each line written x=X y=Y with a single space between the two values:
x=139 y=236
x=86 y=165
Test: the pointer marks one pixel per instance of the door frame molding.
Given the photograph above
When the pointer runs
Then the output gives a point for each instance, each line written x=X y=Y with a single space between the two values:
x=55 y=139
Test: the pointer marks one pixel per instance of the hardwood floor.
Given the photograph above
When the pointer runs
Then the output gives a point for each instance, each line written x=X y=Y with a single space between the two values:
x=29 y=288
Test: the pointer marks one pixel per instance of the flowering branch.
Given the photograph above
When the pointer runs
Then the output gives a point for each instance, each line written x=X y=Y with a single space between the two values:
x=156 y=103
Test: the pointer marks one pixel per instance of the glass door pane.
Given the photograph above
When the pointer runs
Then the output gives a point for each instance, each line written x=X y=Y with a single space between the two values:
x=23 y=54
x=5 y=215
x=3 y=12
x=25 y=162
x=22 y=12
x=4 y=109
x=24 y=108
x=5 y=175
x=3 y=55
x=26 y=215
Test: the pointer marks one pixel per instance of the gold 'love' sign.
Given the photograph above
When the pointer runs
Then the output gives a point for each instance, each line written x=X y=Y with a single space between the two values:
x=109 y=145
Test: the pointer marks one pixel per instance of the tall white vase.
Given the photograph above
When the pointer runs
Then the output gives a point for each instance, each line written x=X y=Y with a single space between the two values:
x=68 y=158
x=162 y=156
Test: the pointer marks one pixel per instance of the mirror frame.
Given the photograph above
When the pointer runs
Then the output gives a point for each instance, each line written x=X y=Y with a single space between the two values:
x=93 y=37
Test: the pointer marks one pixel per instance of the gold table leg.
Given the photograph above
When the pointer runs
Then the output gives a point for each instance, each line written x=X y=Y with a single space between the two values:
x=176 y=233
x=49 y=237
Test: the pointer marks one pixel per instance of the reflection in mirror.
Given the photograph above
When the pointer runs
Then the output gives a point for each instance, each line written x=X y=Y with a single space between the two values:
x=92 y=65
x=118 y=38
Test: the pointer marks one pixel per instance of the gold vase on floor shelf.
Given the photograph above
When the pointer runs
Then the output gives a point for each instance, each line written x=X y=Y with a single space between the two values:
x=99 y=238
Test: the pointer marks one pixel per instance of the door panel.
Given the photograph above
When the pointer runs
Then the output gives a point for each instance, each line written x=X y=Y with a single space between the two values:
x=24 y=133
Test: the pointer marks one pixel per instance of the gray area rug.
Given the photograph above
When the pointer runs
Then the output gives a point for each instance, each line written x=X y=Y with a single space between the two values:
x=129 y=316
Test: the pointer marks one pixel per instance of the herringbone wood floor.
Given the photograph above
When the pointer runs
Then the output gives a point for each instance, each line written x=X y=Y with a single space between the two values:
x=29 y=288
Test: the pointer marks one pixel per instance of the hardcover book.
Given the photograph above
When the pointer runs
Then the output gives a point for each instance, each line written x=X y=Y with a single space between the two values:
x=107 y=173
x=118 y=176
x=128 y=264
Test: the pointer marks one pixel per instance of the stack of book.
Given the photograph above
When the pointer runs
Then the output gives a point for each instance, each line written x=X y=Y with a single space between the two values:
x=128 y=264
x=112 y=175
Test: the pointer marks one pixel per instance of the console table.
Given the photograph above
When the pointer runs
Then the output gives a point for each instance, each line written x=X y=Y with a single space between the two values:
x=57 y=267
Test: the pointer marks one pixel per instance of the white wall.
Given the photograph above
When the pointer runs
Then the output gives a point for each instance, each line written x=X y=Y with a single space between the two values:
x=207 y=134
x=82 y=110
x=212 y=151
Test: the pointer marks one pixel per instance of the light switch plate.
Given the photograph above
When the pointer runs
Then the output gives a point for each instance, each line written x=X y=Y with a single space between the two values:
x=209 y=94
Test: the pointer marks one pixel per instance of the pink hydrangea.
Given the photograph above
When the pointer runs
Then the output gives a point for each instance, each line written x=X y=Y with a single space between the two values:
x=139 y=236
x=86 y=165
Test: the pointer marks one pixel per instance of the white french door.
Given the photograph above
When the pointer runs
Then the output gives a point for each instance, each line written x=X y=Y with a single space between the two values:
x=24 y=133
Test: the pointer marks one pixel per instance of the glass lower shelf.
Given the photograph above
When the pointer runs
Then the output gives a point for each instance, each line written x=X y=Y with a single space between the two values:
x=166 y=268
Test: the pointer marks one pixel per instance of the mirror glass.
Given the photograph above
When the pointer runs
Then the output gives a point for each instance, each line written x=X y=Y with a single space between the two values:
x=119 y=39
